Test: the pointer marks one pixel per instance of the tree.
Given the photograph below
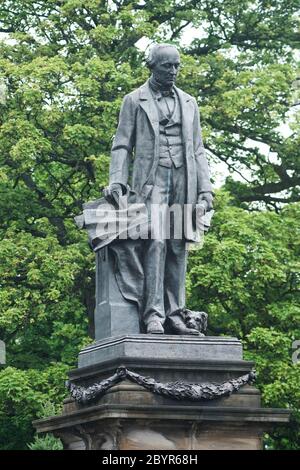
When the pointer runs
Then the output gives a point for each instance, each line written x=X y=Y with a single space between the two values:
x=23 y=397
x=64 y=68
x=74 y=59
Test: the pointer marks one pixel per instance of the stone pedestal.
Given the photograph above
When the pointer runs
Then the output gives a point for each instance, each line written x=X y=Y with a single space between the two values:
x=128 y=416
x=113 y=314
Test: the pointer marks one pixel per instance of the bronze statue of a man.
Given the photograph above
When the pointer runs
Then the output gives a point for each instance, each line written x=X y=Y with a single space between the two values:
x=158 y=141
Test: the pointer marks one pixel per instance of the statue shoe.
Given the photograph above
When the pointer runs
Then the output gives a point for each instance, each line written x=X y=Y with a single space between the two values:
x=154 y=327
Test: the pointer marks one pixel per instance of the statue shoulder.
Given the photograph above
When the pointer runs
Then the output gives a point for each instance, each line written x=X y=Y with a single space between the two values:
x=186 y=96
x=132 y=97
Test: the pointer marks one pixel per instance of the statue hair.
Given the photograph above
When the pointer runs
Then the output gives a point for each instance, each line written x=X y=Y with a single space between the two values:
x=154 y=52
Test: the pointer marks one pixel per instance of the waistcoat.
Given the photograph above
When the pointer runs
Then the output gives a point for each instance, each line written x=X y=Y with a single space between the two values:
x=170 y=136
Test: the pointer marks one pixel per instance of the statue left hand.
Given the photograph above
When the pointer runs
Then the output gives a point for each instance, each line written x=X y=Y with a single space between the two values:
x=208 y=198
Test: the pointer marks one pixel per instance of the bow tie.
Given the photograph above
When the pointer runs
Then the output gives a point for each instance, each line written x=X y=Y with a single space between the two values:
x=167 y=93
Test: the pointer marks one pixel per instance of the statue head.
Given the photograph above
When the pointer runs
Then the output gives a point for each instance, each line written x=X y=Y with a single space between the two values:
x=164 y=61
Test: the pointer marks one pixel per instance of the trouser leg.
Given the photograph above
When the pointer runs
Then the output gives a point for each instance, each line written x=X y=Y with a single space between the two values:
x=155 y=250
x=176 y=257
x=175 y=272
x=154 y=268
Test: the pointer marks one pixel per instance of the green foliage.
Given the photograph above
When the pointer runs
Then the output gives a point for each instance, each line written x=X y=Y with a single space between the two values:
x=71 y=62
x=253 y=261
x=42 y=299
x=64 y=68
x=23 y=395
x=48 y=442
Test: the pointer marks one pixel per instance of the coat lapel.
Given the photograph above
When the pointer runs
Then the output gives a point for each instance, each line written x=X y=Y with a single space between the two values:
x=188 y=110
x=187 y=114
x=148 y=105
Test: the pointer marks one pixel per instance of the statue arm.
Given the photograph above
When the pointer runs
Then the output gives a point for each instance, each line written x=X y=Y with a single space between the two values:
x=122 y=148
x=203 y=177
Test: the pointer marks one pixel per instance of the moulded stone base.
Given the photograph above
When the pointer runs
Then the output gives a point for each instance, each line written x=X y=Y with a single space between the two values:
x=160 y=347
x=129 y=417
x=137 y=427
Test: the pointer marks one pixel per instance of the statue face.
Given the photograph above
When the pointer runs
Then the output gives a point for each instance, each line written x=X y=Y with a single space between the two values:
x=166 y=66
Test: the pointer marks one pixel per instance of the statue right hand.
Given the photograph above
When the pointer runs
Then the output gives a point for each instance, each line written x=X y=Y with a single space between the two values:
x=113 y=192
